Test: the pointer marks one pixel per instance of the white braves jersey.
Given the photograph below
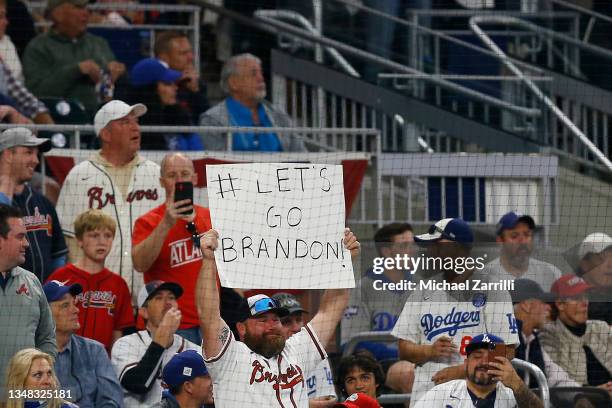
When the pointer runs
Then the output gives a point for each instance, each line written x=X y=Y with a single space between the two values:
x=429 y=315
x=544 y=273
x=243 y=378
x=454 y=394
x=127 y=352
x=88 y=185
x=320 y=381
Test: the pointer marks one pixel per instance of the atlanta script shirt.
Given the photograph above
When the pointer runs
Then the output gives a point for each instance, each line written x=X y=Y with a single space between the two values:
x=431 y=314
x=243 y=378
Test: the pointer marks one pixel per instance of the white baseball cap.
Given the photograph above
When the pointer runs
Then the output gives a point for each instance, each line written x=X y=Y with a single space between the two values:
x=114 y=110
x=594 y=243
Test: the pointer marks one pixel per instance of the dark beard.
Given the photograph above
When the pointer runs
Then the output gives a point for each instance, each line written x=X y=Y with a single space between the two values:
x=266 y=346
x=488 y=380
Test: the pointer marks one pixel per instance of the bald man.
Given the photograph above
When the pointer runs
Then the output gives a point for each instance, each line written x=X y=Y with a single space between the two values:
x=164 y=241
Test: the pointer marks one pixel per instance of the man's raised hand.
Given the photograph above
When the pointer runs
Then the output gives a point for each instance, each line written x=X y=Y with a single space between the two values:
x=351 y=243
x=209 y=241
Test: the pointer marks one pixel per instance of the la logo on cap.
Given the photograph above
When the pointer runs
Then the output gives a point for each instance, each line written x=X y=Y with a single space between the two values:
x=574 y=281
x=486 y=339
x=187 y=371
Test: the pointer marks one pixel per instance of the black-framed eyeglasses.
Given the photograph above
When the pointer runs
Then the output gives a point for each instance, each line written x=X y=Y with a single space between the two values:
x=195 y=235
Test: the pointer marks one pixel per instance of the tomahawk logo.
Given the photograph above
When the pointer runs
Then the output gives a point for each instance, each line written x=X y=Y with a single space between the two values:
x=23 y=290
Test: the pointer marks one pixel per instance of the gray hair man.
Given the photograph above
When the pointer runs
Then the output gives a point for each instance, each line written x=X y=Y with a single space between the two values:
x=243 y=82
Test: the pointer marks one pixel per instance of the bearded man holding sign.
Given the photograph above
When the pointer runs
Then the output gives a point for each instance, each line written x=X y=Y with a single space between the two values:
x=262 y=369
x=280 y=226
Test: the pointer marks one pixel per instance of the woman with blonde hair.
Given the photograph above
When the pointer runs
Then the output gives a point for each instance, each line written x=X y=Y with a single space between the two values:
x=31 y=382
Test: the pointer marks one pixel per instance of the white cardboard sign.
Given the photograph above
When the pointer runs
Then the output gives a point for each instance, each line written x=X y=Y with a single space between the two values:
x=280 y=225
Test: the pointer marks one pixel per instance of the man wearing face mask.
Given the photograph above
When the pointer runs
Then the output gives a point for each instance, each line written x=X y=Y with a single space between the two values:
x=488 y=383
x=515 y=234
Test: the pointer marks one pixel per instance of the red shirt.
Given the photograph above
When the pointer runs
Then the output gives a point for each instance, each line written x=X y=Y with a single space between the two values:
x=178 y=261
x=104 y=305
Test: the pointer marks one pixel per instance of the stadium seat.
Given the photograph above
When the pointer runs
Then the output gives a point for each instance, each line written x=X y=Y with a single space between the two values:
x=67 y=112
x=567 y=397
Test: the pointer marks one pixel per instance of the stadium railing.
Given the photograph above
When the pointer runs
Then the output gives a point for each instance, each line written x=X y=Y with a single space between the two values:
x=588 y=113
x=326 y=145
x=386 y=337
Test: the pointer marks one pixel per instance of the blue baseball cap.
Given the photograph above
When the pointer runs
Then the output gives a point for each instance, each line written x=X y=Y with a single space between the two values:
x=483 y=341
x=151 y=70
x=453 y=229
x=510 y=220
x=183 y=367
x=55 y=290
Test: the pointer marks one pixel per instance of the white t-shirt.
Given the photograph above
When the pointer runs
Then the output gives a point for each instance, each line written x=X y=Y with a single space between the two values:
x=454 y=394
x=320 y=381
x=543 y=273
x=242 y=378
x=129 y=350
x=429 y=315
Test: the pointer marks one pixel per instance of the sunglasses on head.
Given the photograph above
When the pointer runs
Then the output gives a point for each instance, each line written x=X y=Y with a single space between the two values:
x=195 y=235
x=263 y=305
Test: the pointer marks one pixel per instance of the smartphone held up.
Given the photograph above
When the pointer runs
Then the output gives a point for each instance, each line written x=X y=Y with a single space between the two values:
x=183 y=190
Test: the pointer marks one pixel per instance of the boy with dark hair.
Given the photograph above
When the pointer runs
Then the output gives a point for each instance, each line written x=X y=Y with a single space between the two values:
x=360 y=373
x=105 y=303
x=374 y=310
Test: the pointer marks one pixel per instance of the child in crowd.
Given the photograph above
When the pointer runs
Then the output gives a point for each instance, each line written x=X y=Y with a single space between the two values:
x=105 y=303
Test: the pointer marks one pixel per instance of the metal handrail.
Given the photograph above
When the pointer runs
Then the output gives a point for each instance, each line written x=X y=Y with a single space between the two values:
x=503 y=57
x=79 y=129
x=298 y=18
x=530 y=112
x=539 y=377
x=593 y=14
x=434 y=33
x=348 y=68
x=501 y=78
x=386 y=336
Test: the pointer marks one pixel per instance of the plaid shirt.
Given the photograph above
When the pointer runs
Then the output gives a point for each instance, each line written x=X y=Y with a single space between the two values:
x=25 y=102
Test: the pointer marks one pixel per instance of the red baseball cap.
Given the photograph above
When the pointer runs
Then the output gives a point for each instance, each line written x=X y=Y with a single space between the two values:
x=359 y=400
x=569 y=285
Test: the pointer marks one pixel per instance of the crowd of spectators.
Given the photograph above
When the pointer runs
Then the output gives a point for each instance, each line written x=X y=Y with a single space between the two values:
x=112 y=296
x=82 y=308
